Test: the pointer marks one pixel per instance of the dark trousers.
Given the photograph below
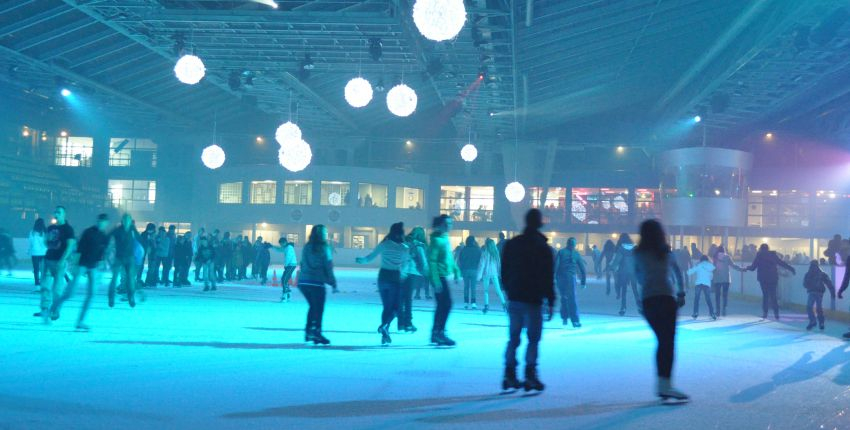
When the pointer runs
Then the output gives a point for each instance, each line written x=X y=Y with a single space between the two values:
x=167 y=264
x=769 y=298
x=702 y=290
x=152 y=277
x=127 y=270
x=721 y=292
x=526 y=316
x=423 y=284
x=660 y=312
x=444 y=305
x=37 y=267
x=608 y=275
x=69 y=291
x=315 y=296
x=405 y=303
x=219 y=270
x=389 y=285
x=569 y=307
x=288 y=271
x=470 y=284
x=181 y=273
x=263 y=271
x=815 y=303
x=622 y=283
x=199 y=268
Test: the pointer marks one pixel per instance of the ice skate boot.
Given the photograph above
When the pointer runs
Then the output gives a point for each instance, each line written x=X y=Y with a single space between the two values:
x=442 y=340
x=668 y=394
x=509 y=381
x=531 y=381
x=385 y=335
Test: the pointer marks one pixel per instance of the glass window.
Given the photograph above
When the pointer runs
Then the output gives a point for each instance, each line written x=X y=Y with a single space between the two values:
x=555 y=207
x=453 y=201
x=335 y=193
x=828 y=210
x=600 y=206
x=132 y=195
x=373 y=196
x=180 y=227
x=481 y=204
x=648 y=203
x=125 y=152
x=298 y=193
x=74 y=151
x=263 y=192
x=230 y=193
x=409 y=198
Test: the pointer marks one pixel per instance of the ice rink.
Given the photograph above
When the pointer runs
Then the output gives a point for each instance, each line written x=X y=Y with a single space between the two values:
x=235 y=358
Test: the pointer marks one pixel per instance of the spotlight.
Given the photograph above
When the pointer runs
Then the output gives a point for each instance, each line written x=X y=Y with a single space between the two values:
x=264 y=225
x=308 y=64
x=716 y=192
x=482 y=73
x=249 y=79
x=63 y=133
x=768 y=136
x=44 y=136
x=65 y=92
x=26 y=132
x=409 y=143
x=260 y=139
x=380 y=87
x=376 y=48
x=621 y=149
x=697 y=118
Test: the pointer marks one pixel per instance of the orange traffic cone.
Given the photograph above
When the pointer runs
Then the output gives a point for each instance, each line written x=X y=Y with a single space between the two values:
x=274 y=279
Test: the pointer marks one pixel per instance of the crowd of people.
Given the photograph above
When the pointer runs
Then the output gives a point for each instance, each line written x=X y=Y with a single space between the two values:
x=524 y=272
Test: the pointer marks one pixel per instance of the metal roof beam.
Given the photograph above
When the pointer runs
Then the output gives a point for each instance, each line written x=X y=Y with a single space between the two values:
x=78 y=44
x=55 y=34
x=194 y=16
x=34 y=20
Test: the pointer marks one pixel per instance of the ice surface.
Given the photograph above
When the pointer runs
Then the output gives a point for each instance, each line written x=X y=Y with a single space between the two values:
x=236 y=359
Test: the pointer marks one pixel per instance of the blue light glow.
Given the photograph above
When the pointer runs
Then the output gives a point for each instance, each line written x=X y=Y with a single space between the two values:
x=65 y=92
x=697 y=118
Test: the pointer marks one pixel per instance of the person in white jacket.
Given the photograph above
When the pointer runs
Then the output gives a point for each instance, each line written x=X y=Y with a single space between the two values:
x=38 y=248
x=704 y=272
x=489 y=269
x=290 y=263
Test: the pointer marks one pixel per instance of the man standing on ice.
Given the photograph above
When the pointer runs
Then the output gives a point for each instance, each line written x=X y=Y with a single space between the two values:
x=528 y=276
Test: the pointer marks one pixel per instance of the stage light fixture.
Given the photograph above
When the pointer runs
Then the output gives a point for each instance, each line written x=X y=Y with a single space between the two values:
x=401 y=100
x=439 y=20
x=25 y=132
x=308 y=63
x=65 y=92
x=376 y=48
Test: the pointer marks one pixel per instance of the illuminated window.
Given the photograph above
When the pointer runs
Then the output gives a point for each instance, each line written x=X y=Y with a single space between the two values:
x=647 y=204
x=453 y=201
x=230 y=193
x=132 y=195
x=335 y=193
x=373 y=196
x=481 y=204
x=74 y=151
x=180 y=227
x=409 y=198
x=298 y=193
x=125 y=152
x=263 y=192
x=467 y=203
x=599 y=206
x=555 y=207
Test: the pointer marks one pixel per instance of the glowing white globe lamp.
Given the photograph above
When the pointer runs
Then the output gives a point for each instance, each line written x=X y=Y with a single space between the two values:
x=189 y=69
x=213 y=156
x=469 y=153
x=358 y=92
x=515 y=192
x=295 y=156
x=401 y=100
x=439 y=20
x=287 y=132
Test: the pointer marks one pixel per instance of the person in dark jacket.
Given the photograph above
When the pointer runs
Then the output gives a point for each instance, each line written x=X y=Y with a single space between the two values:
x=317 y=270
x=624 y=271
x=182 y=259
x=568 y=264
x=528 y=277
x=607 y=257
x=468 y=259
x=124 y=239
x=832 y=249
x=816 y=283
x=263 y=259
x=766 y=264
x=91 y=247
x=206 y=258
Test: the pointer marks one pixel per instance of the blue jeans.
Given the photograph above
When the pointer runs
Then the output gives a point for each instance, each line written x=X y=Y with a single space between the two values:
x=528 y=316
x=702 y=290
x=815 y=303
x=567 y=290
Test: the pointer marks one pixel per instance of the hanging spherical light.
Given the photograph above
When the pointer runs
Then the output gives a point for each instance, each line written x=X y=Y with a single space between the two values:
x=358 y=92
x=439 y=19
x=287 y=132
x=189 y=69
x=469 y=153
x=401 y=100
x=295 y=156
x=515 y=192
x=213 y=156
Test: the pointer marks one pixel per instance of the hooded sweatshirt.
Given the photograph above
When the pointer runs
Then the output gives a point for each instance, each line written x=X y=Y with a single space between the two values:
x=704 y=271
x=624 y=261
x=441 y=263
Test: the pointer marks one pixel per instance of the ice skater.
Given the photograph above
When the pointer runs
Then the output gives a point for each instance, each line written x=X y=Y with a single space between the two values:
x=489 y=273
x=528 y=274
x=37 y=248
x=206 y=258
x=317 y=270
x=468 y=259
x=766 y=264
x=816 y=282
x=128 y=258
x=91 y=247
x=441 y=265
x=704 y=272
x=416 y=267
x=656 y=268
x=60 y=246
x=624 y=274
x=394 y=255
x=608 y=257
x=568 y=264
x=722 y=278
x=290 y=263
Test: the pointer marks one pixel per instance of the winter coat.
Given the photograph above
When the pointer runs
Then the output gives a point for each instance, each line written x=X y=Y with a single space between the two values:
x=441 y=263
x=722 y=265
x=528 y=269
x=818 y=282
x=704 y=272
x=568 y=264
x=469 y=258
x=317 y=266
x=767 y=265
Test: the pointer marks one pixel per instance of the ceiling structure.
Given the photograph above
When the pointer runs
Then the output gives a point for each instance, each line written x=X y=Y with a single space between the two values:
x=580 y=73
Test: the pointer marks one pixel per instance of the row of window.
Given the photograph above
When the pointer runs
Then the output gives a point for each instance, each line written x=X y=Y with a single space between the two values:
x=331 y=193
x=76 y=151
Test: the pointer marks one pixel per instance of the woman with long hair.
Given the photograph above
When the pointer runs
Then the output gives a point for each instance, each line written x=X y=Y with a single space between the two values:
x=722 y=278
x=655 y=268
x=38 y=248
x=489 y=270
x=608 y=256
x=468 y=259
x=415 y=270
x=624 y=275
x=394 y=255
x=317 y=270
